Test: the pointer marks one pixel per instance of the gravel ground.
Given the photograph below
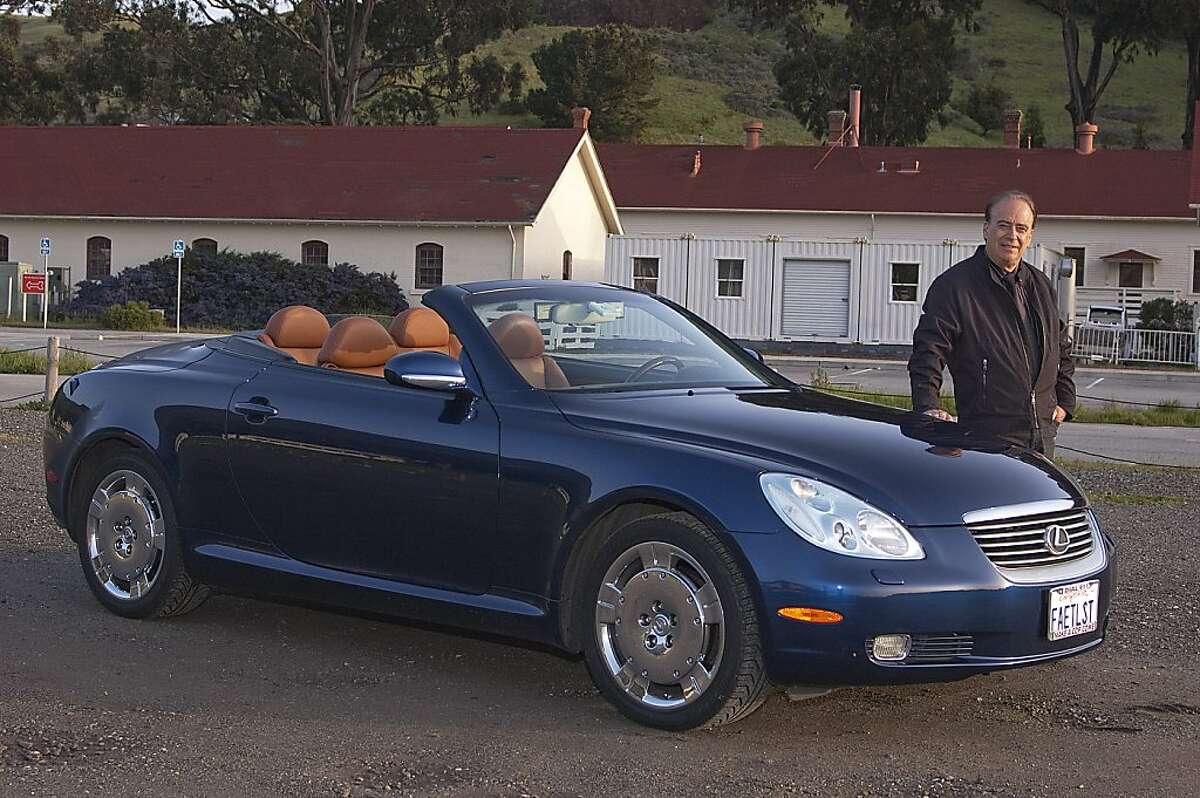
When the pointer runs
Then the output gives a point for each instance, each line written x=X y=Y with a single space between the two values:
x=249 y=698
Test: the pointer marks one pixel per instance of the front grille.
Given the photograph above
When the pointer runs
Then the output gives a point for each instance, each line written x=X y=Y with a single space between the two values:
x=930 y=648
x=1021 y=542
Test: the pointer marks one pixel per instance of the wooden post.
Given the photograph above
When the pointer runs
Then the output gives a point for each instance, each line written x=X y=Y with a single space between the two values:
x=51 y=367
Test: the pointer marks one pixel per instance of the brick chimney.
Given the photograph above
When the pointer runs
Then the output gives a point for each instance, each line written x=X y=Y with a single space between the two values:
x=855 y=115
x=696 y=163
x=754 y=129
x=1085 y=137
x=580 y=115
x=835 y=126
x=1012 y=128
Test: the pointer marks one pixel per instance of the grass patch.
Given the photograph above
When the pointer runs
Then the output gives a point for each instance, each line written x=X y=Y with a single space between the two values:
x=1166 y=414
x=35 y=363
x=40 y=405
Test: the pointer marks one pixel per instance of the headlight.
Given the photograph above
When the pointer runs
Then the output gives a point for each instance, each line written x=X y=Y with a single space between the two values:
x=836 y=521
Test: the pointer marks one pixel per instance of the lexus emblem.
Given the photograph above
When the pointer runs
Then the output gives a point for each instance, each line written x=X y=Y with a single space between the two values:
x=1057 y=539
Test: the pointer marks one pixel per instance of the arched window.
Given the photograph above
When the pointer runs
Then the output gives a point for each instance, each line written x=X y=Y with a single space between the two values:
x=99 y=258
x=567 y=264
x=204 y=246
x=428 y=266
x=314 y=253
x=3 y=247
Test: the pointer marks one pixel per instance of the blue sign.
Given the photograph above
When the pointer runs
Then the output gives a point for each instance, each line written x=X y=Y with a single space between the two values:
x=177 y=247
x=45 y=246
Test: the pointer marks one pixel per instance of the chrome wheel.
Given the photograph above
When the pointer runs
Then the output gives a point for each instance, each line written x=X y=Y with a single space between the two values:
x=126 y=535
x=659 y=625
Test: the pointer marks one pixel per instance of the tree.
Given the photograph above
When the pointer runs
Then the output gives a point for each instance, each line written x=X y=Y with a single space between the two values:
x=308 y=60
x=1035 y=127
x=610 y=69
x=1183 y=17
x=1120 y=30
x=900 y=51
x=986 y=105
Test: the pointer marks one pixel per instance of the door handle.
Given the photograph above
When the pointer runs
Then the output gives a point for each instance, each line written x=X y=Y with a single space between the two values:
x=255 y=412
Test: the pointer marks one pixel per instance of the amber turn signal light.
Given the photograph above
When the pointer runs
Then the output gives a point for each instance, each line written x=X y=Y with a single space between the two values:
x=810 y=615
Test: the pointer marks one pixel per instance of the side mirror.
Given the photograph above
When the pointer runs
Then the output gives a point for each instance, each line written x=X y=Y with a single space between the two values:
x=754 y=353
x=430 y=370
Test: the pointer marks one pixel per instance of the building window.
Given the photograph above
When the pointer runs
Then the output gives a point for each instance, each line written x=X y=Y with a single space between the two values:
x=645 y=275
x=99 y=258
x=1196 y=272
x=1080 y=255
x=314 y=253
x=204 y=246
x=729 y=277
x=567 y=258
x=905 y=279
x=1131 y=275
x=3 y=248
x=429 y=265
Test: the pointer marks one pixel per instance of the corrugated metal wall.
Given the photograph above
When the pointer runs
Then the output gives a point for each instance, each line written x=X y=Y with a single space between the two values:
x=793 y=289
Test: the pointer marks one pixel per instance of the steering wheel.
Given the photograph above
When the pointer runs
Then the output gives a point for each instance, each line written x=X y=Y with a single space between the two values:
x=653 y=363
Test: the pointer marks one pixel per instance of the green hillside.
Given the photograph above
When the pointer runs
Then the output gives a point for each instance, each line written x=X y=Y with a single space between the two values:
x=712 y=79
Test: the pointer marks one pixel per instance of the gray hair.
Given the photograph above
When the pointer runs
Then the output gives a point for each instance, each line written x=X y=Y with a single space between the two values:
x=1012 y=193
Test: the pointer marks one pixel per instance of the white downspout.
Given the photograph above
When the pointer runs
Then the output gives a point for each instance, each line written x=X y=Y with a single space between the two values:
x=512 y=268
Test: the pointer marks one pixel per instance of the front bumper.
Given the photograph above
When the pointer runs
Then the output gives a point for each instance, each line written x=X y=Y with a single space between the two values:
x=962 y=613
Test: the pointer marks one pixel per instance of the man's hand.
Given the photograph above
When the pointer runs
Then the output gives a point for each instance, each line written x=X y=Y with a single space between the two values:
x=1060 y=415
x=942 y=415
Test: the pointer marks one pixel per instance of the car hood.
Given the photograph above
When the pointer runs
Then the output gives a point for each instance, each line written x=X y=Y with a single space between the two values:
x=924 y=472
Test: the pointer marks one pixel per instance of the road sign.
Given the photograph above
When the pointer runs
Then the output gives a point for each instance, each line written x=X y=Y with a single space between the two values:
x=33 y=283
x=45 y=247
x=177 y=248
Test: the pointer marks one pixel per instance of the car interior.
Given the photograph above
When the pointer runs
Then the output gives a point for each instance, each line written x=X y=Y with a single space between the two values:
x=361 y=345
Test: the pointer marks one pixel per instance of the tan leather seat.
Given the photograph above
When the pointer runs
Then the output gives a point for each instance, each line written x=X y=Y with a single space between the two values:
x=358 y=344
x=521 y=341
x=422 y=330
x=298 y=330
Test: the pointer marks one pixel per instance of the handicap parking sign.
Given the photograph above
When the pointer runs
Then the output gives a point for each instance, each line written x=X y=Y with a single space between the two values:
x=177 y=248
x=45 y=247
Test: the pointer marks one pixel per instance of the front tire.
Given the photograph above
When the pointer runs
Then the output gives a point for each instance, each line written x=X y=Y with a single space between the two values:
x=129 y=545
x=669 y=628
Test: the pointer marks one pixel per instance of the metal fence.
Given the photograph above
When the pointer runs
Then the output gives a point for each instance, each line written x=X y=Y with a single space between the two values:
x=1110 y=344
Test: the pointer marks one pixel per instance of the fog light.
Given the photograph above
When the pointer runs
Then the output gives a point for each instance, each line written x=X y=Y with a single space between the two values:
x=890 y=648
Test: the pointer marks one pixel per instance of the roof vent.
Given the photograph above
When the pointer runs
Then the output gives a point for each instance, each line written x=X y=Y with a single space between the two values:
x=754 y=129
x=909 y=169
x=696 y=163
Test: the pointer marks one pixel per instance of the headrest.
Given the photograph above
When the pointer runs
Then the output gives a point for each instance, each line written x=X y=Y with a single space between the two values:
x=298 y=326
x=518 y=335
x=357 y=342
x=418 y=328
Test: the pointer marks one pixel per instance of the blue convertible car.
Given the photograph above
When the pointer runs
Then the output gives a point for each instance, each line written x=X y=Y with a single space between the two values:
x=585 y=466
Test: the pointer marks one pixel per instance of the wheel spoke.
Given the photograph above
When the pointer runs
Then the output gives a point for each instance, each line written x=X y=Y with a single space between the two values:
x=96 y=509
x=696 y=682
x=606 y=604
x=653 y=556
x=139 y=583
x=625 y=676
x=102 y=569
x=709 y=601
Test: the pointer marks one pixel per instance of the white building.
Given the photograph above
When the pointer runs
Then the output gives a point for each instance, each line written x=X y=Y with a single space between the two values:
x=840 y=243
x=432 y=204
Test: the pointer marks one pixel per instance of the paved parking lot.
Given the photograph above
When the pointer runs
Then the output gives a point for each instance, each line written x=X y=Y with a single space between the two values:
x=244 y=697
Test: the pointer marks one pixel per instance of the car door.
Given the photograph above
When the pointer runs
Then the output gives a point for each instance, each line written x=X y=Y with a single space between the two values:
x=353 y=473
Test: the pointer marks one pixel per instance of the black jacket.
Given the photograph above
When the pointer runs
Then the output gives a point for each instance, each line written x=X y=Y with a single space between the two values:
x=970 y=323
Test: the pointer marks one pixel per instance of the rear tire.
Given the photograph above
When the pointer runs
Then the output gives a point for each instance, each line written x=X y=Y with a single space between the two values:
x=669 y=628
x=123 y=519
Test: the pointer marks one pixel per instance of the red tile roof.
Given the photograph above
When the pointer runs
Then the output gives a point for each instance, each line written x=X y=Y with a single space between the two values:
x=409 y=174
x=1127 y=183
x=1130 y=254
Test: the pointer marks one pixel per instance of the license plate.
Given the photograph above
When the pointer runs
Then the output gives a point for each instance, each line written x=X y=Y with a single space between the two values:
x=1073 y=609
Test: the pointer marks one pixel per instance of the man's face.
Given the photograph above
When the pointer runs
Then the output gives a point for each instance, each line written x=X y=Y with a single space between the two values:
x=1008 y=233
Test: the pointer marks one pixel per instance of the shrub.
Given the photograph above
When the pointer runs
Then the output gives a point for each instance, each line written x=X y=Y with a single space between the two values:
x=1165 y=313
x=241 y=291
x=130 y=316
x=985 y=104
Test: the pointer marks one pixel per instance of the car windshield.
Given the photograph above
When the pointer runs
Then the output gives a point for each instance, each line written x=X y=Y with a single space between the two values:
x=576 y=339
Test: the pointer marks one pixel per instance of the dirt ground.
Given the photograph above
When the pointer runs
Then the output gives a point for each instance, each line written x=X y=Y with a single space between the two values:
x=244 y=697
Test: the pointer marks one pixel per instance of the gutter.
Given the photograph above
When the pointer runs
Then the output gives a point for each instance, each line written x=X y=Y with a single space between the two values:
x=673 y=209
x=221 y=220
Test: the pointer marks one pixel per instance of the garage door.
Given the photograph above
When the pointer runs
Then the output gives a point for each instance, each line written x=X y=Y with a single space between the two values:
x=816 y=299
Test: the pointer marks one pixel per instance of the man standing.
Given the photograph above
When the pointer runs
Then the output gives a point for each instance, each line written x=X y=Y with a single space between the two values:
x=993 y=319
